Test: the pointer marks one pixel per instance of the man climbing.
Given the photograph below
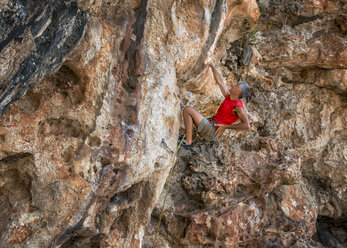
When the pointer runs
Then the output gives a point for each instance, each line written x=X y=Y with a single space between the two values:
x=228 y=112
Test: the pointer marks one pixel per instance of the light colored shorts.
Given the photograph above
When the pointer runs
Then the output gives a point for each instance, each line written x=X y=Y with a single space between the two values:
x=207 y=129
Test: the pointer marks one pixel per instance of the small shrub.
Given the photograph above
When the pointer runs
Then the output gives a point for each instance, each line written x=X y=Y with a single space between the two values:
x=262 y=8
x=252 y=36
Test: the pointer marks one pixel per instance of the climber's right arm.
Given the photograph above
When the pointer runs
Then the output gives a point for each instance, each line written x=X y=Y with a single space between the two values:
x=219 y=81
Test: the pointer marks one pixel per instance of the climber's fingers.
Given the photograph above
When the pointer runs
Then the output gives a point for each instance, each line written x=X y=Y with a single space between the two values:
x=220 y=129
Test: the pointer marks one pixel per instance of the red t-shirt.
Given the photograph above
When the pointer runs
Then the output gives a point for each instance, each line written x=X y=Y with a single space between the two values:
x=225 y=114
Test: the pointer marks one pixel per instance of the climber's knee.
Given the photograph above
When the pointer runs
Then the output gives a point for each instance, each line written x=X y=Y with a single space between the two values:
x=187 y=110
x=193 y=113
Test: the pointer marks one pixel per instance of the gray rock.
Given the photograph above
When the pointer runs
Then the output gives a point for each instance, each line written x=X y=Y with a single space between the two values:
x=247 y=55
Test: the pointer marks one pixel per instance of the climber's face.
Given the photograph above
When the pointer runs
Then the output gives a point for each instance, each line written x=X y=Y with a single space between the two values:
x=235 y=88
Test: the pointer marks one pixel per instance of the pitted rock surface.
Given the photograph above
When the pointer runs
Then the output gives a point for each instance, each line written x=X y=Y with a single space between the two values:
x=88 y=90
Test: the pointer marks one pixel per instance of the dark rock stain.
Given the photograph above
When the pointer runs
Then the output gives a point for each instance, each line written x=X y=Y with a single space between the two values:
x=216 y=18
x=51 y=46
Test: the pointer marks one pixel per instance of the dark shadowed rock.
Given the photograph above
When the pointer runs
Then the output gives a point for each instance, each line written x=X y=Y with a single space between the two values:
x=35 y=36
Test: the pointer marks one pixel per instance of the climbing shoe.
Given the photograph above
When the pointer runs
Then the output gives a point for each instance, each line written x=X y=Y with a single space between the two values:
x=185 y=145
x=180 y=138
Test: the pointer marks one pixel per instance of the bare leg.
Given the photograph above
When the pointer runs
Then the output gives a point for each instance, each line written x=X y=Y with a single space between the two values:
x=190 y=116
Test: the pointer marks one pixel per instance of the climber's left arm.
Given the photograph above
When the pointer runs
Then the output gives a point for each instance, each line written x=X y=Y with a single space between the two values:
x=224 y=89
x=244 y=125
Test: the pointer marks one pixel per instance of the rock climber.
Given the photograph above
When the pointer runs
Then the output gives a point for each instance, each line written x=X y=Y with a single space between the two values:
x=228 y=112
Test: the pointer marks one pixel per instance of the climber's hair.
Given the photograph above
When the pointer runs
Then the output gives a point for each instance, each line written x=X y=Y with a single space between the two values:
x=244 y=89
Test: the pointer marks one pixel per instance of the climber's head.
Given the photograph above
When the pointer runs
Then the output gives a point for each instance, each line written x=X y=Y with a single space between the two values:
x=240 y=89
x=244 y=87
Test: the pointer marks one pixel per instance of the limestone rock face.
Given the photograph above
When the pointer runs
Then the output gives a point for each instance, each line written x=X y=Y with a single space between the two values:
x=89 y=89
x=283 y=183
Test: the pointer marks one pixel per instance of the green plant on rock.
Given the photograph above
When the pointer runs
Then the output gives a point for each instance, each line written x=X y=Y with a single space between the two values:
x=262 y=8
x=252 y=37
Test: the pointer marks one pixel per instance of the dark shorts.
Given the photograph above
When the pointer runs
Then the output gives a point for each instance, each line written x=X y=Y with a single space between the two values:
x=207 y=129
